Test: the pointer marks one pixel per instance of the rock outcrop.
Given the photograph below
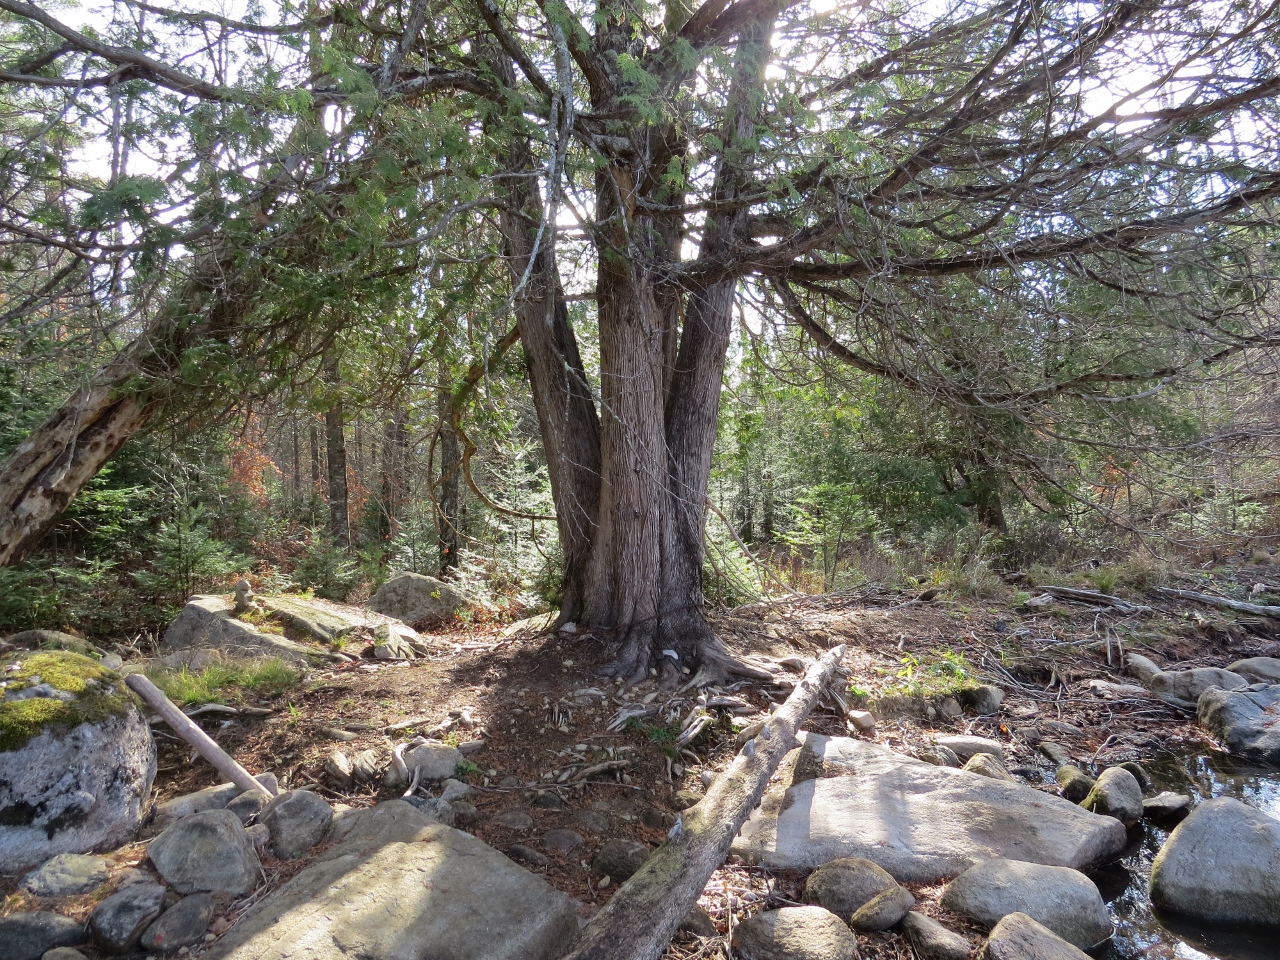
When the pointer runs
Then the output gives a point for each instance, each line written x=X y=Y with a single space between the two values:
x=206 y=629
x=398 y=879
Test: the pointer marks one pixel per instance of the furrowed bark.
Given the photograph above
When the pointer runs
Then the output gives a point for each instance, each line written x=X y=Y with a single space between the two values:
x=638 y=923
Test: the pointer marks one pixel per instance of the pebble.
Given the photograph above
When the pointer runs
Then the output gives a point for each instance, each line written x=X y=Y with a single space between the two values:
x=883 y=910
x=516 y=820
x=933 y=941
x=561 y=841
x=528 y=855
x=181 y=925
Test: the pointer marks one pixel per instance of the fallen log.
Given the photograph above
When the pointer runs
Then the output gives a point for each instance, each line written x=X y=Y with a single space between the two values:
x=186 y=728
x=642 y=917
x=1094 y=597
x=1239 y=606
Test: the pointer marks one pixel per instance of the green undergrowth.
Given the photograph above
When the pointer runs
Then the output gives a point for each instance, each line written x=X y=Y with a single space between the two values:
x=97 y=695
x=223 y=682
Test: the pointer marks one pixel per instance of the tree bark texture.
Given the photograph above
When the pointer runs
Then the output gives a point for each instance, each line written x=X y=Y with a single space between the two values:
x=336 y=450
x=642 y=916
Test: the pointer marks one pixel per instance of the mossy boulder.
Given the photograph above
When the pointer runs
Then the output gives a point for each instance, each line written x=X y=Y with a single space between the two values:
x=76 y=758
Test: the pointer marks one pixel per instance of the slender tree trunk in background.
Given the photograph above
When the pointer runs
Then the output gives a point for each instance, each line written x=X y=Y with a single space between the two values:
x=336 y=448
x=295 y=480
x=395 y=448
x=449 y=485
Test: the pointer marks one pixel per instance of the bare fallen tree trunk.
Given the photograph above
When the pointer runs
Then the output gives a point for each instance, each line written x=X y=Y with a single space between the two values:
x=638 y=923
x=1094 y=597
x=1238 y=606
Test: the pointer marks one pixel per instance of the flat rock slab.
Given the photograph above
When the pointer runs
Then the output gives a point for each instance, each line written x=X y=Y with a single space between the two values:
x=1247 y=722
x=318 y=623
x=919 y=822
x=433 y=892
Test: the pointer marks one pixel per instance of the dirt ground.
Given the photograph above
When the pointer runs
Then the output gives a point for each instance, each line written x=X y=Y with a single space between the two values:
x=543 y=713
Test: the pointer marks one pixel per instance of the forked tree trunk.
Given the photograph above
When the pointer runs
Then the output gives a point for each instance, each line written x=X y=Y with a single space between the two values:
x=659 y=422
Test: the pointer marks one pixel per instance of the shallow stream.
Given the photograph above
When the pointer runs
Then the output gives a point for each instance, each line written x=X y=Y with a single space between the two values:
x=1140 y=935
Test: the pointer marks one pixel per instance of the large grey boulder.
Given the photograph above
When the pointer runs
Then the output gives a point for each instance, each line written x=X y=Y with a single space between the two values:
x=76 y=758
x=919 y=822
x=1188 y=685
x=1258 y=669
x=1064 y=900
x=412 y=597
x=399 y=885
x=1246 y=722
x=207 y=629
x=842 y=886
x=67 y=875
x=1019 y=937
x=1116 y=794
x=28 y=934
x=794 y=933
x=1221 y=865
x=206 y=852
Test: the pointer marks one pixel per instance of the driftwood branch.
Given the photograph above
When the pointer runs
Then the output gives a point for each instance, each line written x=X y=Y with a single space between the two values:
x=638 y=923
x=1094 y=597
x=1258 y=610
x=186 y=728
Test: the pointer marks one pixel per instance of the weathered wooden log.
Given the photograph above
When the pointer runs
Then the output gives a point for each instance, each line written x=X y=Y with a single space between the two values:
x=1094 y=597
x=642 y=917
x=186 y=728
x=1257 y=609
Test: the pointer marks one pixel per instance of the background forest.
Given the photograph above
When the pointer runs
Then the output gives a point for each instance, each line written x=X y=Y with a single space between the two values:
x=373 y=410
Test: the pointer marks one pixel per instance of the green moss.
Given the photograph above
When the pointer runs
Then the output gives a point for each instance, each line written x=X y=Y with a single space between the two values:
x=98 y=694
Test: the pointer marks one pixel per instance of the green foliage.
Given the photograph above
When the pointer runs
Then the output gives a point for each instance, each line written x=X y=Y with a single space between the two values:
x=326 y=568
x=186 y=557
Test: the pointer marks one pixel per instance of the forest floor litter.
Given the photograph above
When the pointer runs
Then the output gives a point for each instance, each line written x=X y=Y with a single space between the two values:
x=560 y=761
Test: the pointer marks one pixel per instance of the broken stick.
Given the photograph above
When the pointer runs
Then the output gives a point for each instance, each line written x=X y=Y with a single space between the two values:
x=1239 y=606
x=1094 y=597
x=642 y=917
x=186 y=728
